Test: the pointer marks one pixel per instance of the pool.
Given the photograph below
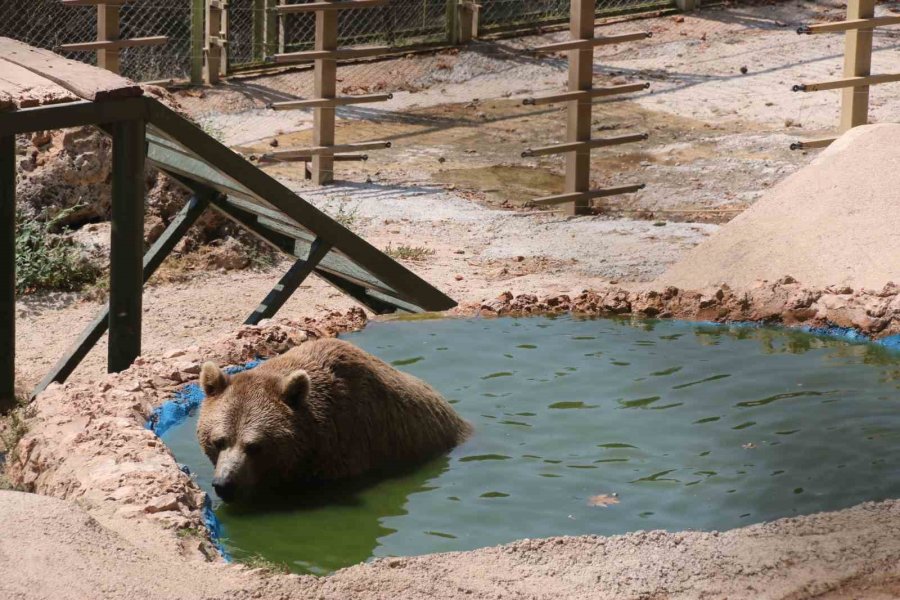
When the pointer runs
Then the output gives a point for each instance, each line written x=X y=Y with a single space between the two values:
x=597 y=426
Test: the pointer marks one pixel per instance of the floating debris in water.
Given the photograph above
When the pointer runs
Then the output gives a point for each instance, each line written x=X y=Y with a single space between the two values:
x=603 y=500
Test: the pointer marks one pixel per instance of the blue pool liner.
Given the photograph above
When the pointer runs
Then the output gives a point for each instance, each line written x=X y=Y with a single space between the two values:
x=188 y=399
x=848 y=334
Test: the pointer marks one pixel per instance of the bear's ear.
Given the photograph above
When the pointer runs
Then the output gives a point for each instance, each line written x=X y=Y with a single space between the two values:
x=212 y=379
x=295 y=387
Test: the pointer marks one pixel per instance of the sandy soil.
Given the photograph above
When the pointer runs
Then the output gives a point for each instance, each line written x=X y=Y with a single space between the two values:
x=454 y=183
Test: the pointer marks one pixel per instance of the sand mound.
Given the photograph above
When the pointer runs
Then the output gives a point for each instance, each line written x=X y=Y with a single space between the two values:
x=834 y=222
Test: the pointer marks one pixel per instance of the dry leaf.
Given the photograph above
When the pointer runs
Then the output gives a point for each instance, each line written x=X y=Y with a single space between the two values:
x=603 y=500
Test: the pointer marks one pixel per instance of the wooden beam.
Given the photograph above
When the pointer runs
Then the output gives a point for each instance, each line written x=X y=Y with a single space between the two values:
x=326 y=151
x=108 y=29
x=282 y=199
x=331 y=102
x=212 y=46
x=93 y=2
x=589 y=44
x=587 y=196
x=157 y=40
x=286 y=9
x=198 y=40
x=289 y=283
x=582 y=146
x=812 y=144
x=581 y=78
x=332 y=54
x=27 y=89
x=848 y=82
x=848 y=25
x=857 y=63
x=587 y=94
x=325 y=86
x=74 y=114
x=7 y=273
x=160 y=250
x=85 y=81
x=126 y=244
x=308 y=158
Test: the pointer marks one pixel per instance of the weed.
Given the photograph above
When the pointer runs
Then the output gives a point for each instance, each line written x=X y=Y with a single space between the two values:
x=190 y=532
x=347 y=216
x=416 y=253
x=12 y=429
x=255 y=561
x=48 y=261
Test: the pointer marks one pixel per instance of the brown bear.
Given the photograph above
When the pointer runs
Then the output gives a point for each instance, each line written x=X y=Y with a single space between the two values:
x=324 y=410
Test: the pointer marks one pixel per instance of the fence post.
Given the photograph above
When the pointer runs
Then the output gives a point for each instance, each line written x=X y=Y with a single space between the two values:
x=325 y=87
x=7 y=273
x=271 y=29
x=687 y=5
x=107 y=30
x=259 y=30
x=453 y=22
x=581 y=78
x=198 y=34
x=857 y=63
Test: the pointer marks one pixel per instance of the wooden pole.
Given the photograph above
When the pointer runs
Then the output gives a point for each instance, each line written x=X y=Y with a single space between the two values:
x=325 y=87
x=127 y=244
x=453 y=22
x=108 y=29
x=857 y=63
x=7 y=273
x=271 y=29
x=198 y=35
x=581 y=77
x=212 y=42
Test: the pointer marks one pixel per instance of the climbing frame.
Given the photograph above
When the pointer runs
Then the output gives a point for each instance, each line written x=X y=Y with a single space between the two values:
x=320 y=158
x=577 y=195
x=108 y=42
x=859 y=29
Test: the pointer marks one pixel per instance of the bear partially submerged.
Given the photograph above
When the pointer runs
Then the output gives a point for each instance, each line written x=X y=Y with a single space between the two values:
x=324 y=410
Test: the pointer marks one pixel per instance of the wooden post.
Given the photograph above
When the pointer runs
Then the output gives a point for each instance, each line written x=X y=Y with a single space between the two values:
x=325 y=87
x=687 y=5
x=7 y=273
x=127 y=244
x=258 y=44
x=453 y=22
x=198 y=37
x=581 y=78
x=214 y=42
x=857 y=63
x=108 y=29
x=271 y=29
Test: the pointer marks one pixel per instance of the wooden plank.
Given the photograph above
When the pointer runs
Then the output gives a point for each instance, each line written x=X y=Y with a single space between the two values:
x=857 y=63
x=848 y=82
x=286 y=9
x=161 y=249
x=108 y=29
x=93 y=2
x=25 y=89
x=72 y=114
x=301 y=153
x=280 y=198
x=285 y=288
x=7 y=273
x=85 y=81
x=586 y=196
x=325 y=86
x=378 y=305
x=590 y=44
x=848 y=25
x=156 y=40
x=581 y=146
x=333 y=54
x=812 y=144
x=126 y=245
x=587 y=94
x=581 y=78
x=330 y=102
x=212 y=49
x=306 y=159
x=198 y=35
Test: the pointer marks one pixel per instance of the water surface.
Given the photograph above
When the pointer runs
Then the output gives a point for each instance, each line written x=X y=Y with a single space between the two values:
x=599 y=427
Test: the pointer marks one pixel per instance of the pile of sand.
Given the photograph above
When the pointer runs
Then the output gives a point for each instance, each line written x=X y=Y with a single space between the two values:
x=834 y=222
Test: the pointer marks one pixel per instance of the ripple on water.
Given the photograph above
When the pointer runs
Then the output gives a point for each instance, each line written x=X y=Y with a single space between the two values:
x=688 y=427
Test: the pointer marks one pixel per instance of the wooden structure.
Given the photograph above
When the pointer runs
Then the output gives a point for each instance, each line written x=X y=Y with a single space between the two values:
x=577 y=195
x=40 y=91
x=462 y=21
x=108 y=42
x=321 y=157
x=859 y=29
x=215 y=41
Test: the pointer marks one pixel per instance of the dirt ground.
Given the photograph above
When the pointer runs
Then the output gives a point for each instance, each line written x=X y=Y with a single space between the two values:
x=454 y=183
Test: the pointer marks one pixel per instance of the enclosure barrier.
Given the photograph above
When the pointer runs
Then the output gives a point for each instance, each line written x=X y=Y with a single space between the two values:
x=108 y=41
x=581 y=93
x=319 y=160
x=215 y=41
x=857 y=81
x=40 y=91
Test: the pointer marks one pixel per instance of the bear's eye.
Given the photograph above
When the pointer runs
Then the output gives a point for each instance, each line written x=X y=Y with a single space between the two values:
x=220 y=444
x=252 y=447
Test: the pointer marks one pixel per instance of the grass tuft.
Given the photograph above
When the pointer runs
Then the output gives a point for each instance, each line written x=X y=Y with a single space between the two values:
x=414 y=253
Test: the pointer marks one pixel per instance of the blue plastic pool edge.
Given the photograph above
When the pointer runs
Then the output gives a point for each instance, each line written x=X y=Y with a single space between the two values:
x=189 y=397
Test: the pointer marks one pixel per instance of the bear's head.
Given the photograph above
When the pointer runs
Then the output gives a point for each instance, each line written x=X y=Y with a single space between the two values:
x=248 y=427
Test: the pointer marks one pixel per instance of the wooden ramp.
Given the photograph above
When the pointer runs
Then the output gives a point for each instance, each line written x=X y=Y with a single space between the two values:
x=40 y=90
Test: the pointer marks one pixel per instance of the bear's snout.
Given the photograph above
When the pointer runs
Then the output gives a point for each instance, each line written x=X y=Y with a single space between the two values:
x=225 y=489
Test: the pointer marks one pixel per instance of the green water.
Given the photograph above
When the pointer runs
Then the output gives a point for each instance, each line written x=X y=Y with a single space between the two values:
x=691 y=427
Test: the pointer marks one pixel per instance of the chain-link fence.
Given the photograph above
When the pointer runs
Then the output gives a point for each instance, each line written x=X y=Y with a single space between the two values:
x=255 y=33
x=49 y=24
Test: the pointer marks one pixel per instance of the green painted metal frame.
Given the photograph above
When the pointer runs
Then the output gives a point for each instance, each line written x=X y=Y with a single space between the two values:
x=7 y=272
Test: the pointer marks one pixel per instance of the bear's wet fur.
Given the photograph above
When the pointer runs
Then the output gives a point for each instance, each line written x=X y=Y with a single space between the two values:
x=325 y=410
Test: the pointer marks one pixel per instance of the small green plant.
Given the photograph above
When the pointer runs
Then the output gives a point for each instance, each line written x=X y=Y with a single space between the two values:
x=12 y=429
x=190 y=532
x=255 y=561
x=402 y=252
x=347 y=216
x=48 y=261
